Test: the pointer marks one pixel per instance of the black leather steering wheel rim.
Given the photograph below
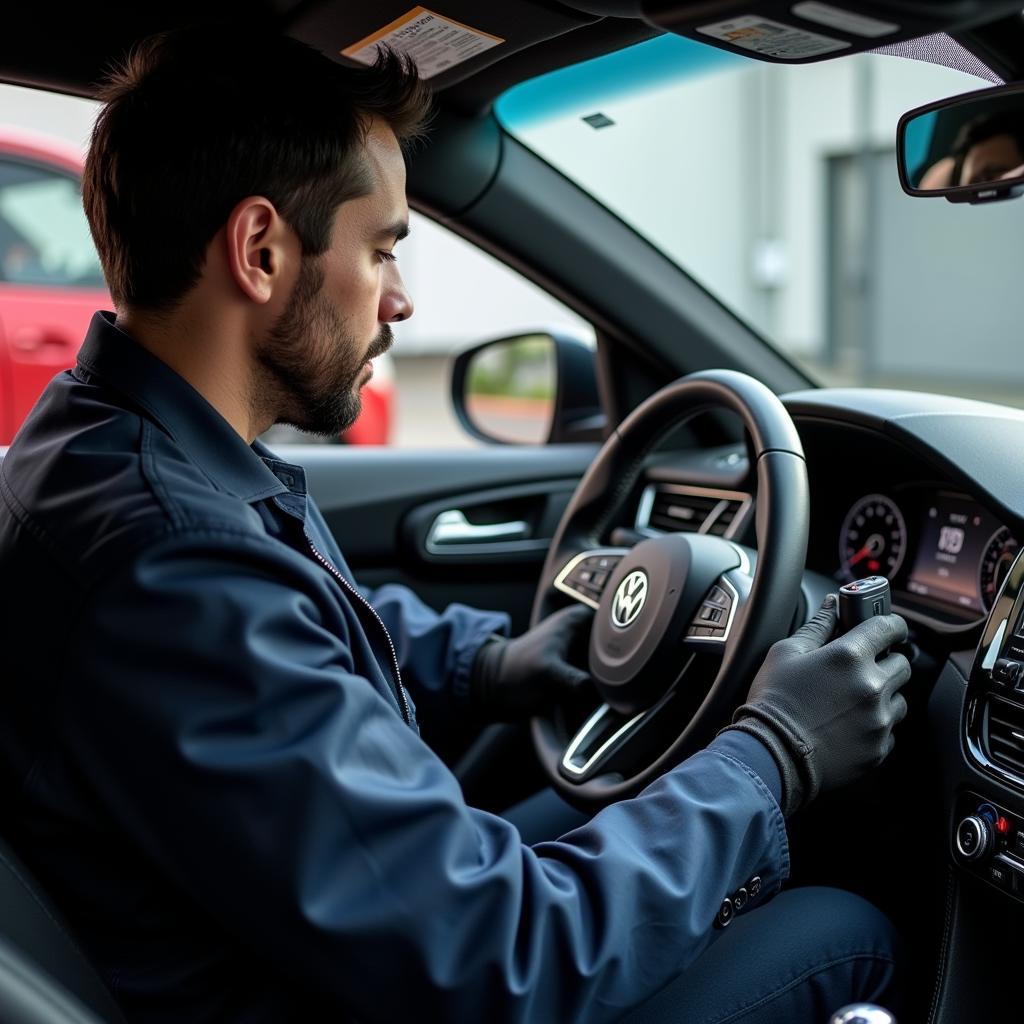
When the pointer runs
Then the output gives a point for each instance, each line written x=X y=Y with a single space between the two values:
x=781 y=524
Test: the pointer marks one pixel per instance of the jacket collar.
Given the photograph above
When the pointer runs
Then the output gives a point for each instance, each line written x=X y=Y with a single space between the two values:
x=249 y=473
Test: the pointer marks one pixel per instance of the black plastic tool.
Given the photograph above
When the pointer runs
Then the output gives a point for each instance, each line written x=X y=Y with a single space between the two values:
x=862 y=599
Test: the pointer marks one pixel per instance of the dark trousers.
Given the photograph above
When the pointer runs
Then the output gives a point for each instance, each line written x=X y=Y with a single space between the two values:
x=796 y=960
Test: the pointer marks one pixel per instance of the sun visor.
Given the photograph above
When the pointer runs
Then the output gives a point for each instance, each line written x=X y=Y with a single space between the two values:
x=450 y=40
x=804 y=31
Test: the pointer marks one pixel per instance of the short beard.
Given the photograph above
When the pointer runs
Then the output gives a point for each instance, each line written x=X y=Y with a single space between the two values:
x=309 y=365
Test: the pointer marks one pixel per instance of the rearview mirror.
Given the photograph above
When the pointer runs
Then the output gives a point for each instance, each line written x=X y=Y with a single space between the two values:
x=969 y=148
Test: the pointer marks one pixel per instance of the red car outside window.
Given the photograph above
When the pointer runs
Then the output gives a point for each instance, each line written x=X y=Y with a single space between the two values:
x=51 y=282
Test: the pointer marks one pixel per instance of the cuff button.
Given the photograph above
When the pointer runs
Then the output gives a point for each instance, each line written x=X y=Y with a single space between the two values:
x=754 y=886
x=726 y=912
x=739 y=899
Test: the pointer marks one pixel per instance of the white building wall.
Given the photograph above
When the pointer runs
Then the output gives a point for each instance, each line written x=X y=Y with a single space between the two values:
x=60 y=117
x=834 y=109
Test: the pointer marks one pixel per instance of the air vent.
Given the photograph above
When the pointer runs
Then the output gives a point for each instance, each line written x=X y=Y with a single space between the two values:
x=674 y=508
x=1004 y=735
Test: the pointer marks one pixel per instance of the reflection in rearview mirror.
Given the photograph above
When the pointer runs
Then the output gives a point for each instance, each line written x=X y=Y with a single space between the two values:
x=969 y=148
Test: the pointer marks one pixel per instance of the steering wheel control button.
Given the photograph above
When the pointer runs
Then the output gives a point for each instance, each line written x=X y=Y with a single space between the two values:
x=973 y=838
x=739 y=899
x=588 y=576
x=754 y=887
x=713 y=615
x=726 y=912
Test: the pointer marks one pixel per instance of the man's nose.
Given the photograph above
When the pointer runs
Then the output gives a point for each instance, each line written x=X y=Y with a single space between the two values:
x=395 y=303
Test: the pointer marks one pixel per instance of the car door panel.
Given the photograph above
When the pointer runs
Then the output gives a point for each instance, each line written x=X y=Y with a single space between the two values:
x=381 y=505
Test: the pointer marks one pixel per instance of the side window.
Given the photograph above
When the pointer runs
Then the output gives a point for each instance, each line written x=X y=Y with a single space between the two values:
x=44 y=238
x=462 y=296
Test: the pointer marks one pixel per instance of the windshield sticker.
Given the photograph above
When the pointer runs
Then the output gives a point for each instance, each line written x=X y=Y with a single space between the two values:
x=772 y=38
x=435 y=43
x=845 y=21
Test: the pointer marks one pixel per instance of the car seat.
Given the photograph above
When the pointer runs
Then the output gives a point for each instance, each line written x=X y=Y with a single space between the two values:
x=45 y=978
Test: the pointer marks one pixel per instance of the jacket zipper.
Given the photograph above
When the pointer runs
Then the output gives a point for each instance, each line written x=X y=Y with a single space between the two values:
x=403 y=700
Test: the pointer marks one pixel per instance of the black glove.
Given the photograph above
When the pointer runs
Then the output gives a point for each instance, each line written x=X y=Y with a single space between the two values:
x=513 y=678
x=826 y=711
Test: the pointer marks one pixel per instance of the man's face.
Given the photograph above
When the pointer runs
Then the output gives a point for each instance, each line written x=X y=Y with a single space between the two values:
x=315 y=359
x=990 y=160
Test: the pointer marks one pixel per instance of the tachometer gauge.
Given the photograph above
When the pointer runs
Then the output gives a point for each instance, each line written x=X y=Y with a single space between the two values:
x=999 y=554
x=873 y=539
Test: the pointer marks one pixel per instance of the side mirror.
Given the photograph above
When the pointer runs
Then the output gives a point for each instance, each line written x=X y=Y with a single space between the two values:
x=529 y=389
x=968 y=148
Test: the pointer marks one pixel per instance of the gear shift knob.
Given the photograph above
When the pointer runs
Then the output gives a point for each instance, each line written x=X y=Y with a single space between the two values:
x=862 y=1013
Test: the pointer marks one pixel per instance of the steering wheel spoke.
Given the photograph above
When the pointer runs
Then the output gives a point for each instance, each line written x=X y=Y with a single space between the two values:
x=606 y=733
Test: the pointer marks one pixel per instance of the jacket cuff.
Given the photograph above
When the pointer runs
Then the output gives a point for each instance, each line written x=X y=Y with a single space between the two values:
x=462 y=678
x=750 y=751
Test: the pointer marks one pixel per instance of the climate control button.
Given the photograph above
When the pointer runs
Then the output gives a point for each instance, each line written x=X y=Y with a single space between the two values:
x=1007 y=672
x=974 y=839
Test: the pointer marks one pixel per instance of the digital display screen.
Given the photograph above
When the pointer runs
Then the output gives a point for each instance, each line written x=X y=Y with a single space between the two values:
x=954 y=534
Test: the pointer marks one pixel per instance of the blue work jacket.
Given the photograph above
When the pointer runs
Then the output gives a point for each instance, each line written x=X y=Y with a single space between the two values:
x=209 y=754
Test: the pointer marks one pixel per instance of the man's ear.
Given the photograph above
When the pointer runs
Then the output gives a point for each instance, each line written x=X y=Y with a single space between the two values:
x=257 y=243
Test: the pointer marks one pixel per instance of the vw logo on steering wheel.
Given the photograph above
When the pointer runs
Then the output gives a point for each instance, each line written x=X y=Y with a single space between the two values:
x=629 y=598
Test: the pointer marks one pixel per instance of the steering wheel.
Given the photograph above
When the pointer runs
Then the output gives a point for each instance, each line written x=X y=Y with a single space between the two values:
x=682 y=621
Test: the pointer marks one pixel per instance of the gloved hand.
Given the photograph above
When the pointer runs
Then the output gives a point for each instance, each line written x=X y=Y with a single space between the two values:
x=825 y=710
x=513 y=678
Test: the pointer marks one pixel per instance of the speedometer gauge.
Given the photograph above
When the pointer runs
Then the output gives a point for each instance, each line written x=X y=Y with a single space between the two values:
x=873 y=538
x=999 y=554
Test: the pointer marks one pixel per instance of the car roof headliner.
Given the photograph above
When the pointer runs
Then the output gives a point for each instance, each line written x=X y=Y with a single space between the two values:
x=67 y=47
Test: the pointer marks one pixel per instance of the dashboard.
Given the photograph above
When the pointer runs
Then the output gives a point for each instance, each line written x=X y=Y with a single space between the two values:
x=885 y=504
x=911 y=486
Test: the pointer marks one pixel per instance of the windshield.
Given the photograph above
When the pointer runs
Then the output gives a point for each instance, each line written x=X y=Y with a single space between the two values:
x=776 y=188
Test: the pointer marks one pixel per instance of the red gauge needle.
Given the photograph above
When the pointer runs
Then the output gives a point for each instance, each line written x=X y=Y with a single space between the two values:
x=873 y=547
x=863 y=553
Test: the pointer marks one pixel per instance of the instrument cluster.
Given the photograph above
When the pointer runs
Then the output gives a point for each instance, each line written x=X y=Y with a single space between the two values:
x=943 y=552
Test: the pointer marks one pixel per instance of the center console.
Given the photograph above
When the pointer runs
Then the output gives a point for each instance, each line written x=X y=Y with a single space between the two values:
x=987 y=836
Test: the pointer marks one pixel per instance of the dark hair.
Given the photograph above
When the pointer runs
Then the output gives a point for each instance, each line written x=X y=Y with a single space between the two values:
x=196 y=120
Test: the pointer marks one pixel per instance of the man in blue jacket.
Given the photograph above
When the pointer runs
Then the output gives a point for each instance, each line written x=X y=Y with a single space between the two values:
x=209 y=748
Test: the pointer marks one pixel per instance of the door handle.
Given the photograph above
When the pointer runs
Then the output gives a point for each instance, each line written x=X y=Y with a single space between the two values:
x=34 y=339
x=453 y=528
